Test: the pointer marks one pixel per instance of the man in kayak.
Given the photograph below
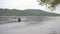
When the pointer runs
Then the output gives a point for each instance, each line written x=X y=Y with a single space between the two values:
x=19 y=19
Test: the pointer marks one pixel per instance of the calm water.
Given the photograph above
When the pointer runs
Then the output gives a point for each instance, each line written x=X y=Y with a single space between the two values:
x=29 y=25
x=29 y=19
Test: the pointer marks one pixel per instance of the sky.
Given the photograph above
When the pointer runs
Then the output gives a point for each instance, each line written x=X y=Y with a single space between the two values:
x=23 y=4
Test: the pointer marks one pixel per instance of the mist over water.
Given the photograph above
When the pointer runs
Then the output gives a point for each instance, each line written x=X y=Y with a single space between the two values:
x=29 y=25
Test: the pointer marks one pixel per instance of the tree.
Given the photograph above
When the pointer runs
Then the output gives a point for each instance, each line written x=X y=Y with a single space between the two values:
x=52 y=4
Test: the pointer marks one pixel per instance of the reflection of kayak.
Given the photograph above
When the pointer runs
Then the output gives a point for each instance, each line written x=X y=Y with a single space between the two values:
x=19 y=19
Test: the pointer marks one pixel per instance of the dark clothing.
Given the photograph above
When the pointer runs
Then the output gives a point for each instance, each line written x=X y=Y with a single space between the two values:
x=19 y=19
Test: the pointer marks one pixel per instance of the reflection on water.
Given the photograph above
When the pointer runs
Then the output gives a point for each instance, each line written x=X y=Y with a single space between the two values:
x=29 y=24
x=30 y=19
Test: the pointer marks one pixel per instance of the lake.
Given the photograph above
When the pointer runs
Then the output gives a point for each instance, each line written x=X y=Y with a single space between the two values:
x=30 y=25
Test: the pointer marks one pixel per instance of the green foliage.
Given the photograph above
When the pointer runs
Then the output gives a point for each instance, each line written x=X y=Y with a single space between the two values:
x=51 y=3
x=28 y=12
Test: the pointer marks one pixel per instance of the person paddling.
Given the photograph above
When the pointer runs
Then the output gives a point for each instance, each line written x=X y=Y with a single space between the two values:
x=19 y=19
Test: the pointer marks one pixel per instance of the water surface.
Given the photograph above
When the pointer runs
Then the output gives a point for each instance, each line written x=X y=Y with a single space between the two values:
x=29 y=25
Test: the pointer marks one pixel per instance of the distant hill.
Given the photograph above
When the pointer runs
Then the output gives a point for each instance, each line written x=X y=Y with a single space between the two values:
x=28 y=12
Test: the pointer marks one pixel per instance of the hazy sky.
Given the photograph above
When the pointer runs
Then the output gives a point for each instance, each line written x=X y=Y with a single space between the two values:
x=21 y=4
